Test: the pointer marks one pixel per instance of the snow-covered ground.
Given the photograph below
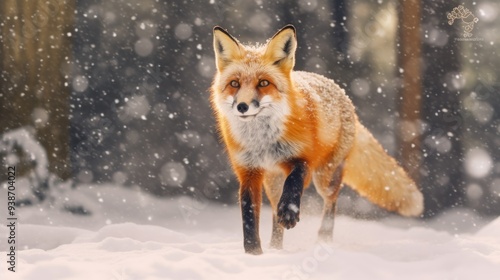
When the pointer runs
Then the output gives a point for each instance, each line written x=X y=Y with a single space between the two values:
x=131 y=235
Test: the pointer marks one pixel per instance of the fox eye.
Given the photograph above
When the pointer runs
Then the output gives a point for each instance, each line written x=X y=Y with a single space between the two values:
x=234 y=84
x=263 y=83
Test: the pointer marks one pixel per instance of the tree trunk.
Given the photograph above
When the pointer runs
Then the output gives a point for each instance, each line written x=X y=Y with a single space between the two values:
x=35 y=48
x=411 y=91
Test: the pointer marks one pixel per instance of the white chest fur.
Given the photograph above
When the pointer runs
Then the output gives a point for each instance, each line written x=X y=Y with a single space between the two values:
x=262 y=142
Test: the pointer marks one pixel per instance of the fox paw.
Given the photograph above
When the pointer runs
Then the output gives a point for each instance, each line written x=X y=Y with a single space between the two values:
x=253 y=250
x=288 y=214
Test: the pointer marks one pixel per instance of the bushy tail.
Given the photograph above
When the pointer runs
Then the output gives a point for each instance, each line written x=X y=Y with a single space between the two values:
x=377 y=176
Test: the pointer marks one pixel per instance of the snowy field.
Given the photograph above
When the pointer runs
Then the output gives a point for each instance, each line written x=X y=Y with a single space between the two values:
x=135 y=236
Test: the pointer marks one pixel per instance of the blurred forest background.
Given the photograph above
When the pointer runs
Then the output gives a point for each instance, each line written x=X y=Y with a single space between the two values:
x=117 y=91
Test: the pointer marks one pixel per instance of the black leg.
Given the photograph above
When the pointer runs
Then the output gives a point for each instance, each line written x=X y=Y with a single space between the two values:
x=250 y=214
x=289 y=204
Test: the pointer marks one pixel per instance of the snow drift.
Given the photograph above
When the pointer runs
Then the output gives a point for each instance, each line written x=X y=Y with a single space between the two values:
x=131 y=235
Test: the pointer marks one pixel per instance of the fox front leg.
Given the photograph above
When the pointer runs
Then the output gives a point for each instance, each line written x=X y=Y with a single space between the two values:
x=289 y=204
x=250 y=202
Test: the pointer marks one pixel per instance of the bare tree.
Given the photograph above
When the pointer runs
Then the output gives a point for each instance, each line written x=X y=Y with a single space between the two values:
x=430 y=133
x=411 y=90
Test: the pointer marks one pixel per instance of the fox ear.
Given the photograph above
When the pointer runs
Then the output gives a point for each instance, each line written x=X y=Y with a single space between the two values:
x=226 y=48
x=281 y=48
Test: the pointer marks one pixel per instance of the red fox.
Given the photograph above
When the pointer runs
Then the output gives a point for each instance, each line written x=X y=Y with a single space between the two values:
x=284 y=128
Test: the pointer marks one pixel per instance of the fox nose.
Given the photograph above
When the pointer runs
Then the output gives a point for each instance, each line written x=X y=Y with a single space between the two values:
x=242 y=107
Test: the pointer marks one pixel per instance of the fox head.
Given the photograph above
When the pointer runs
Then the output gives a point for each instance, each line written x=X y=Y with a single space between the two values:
x=252 y=81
